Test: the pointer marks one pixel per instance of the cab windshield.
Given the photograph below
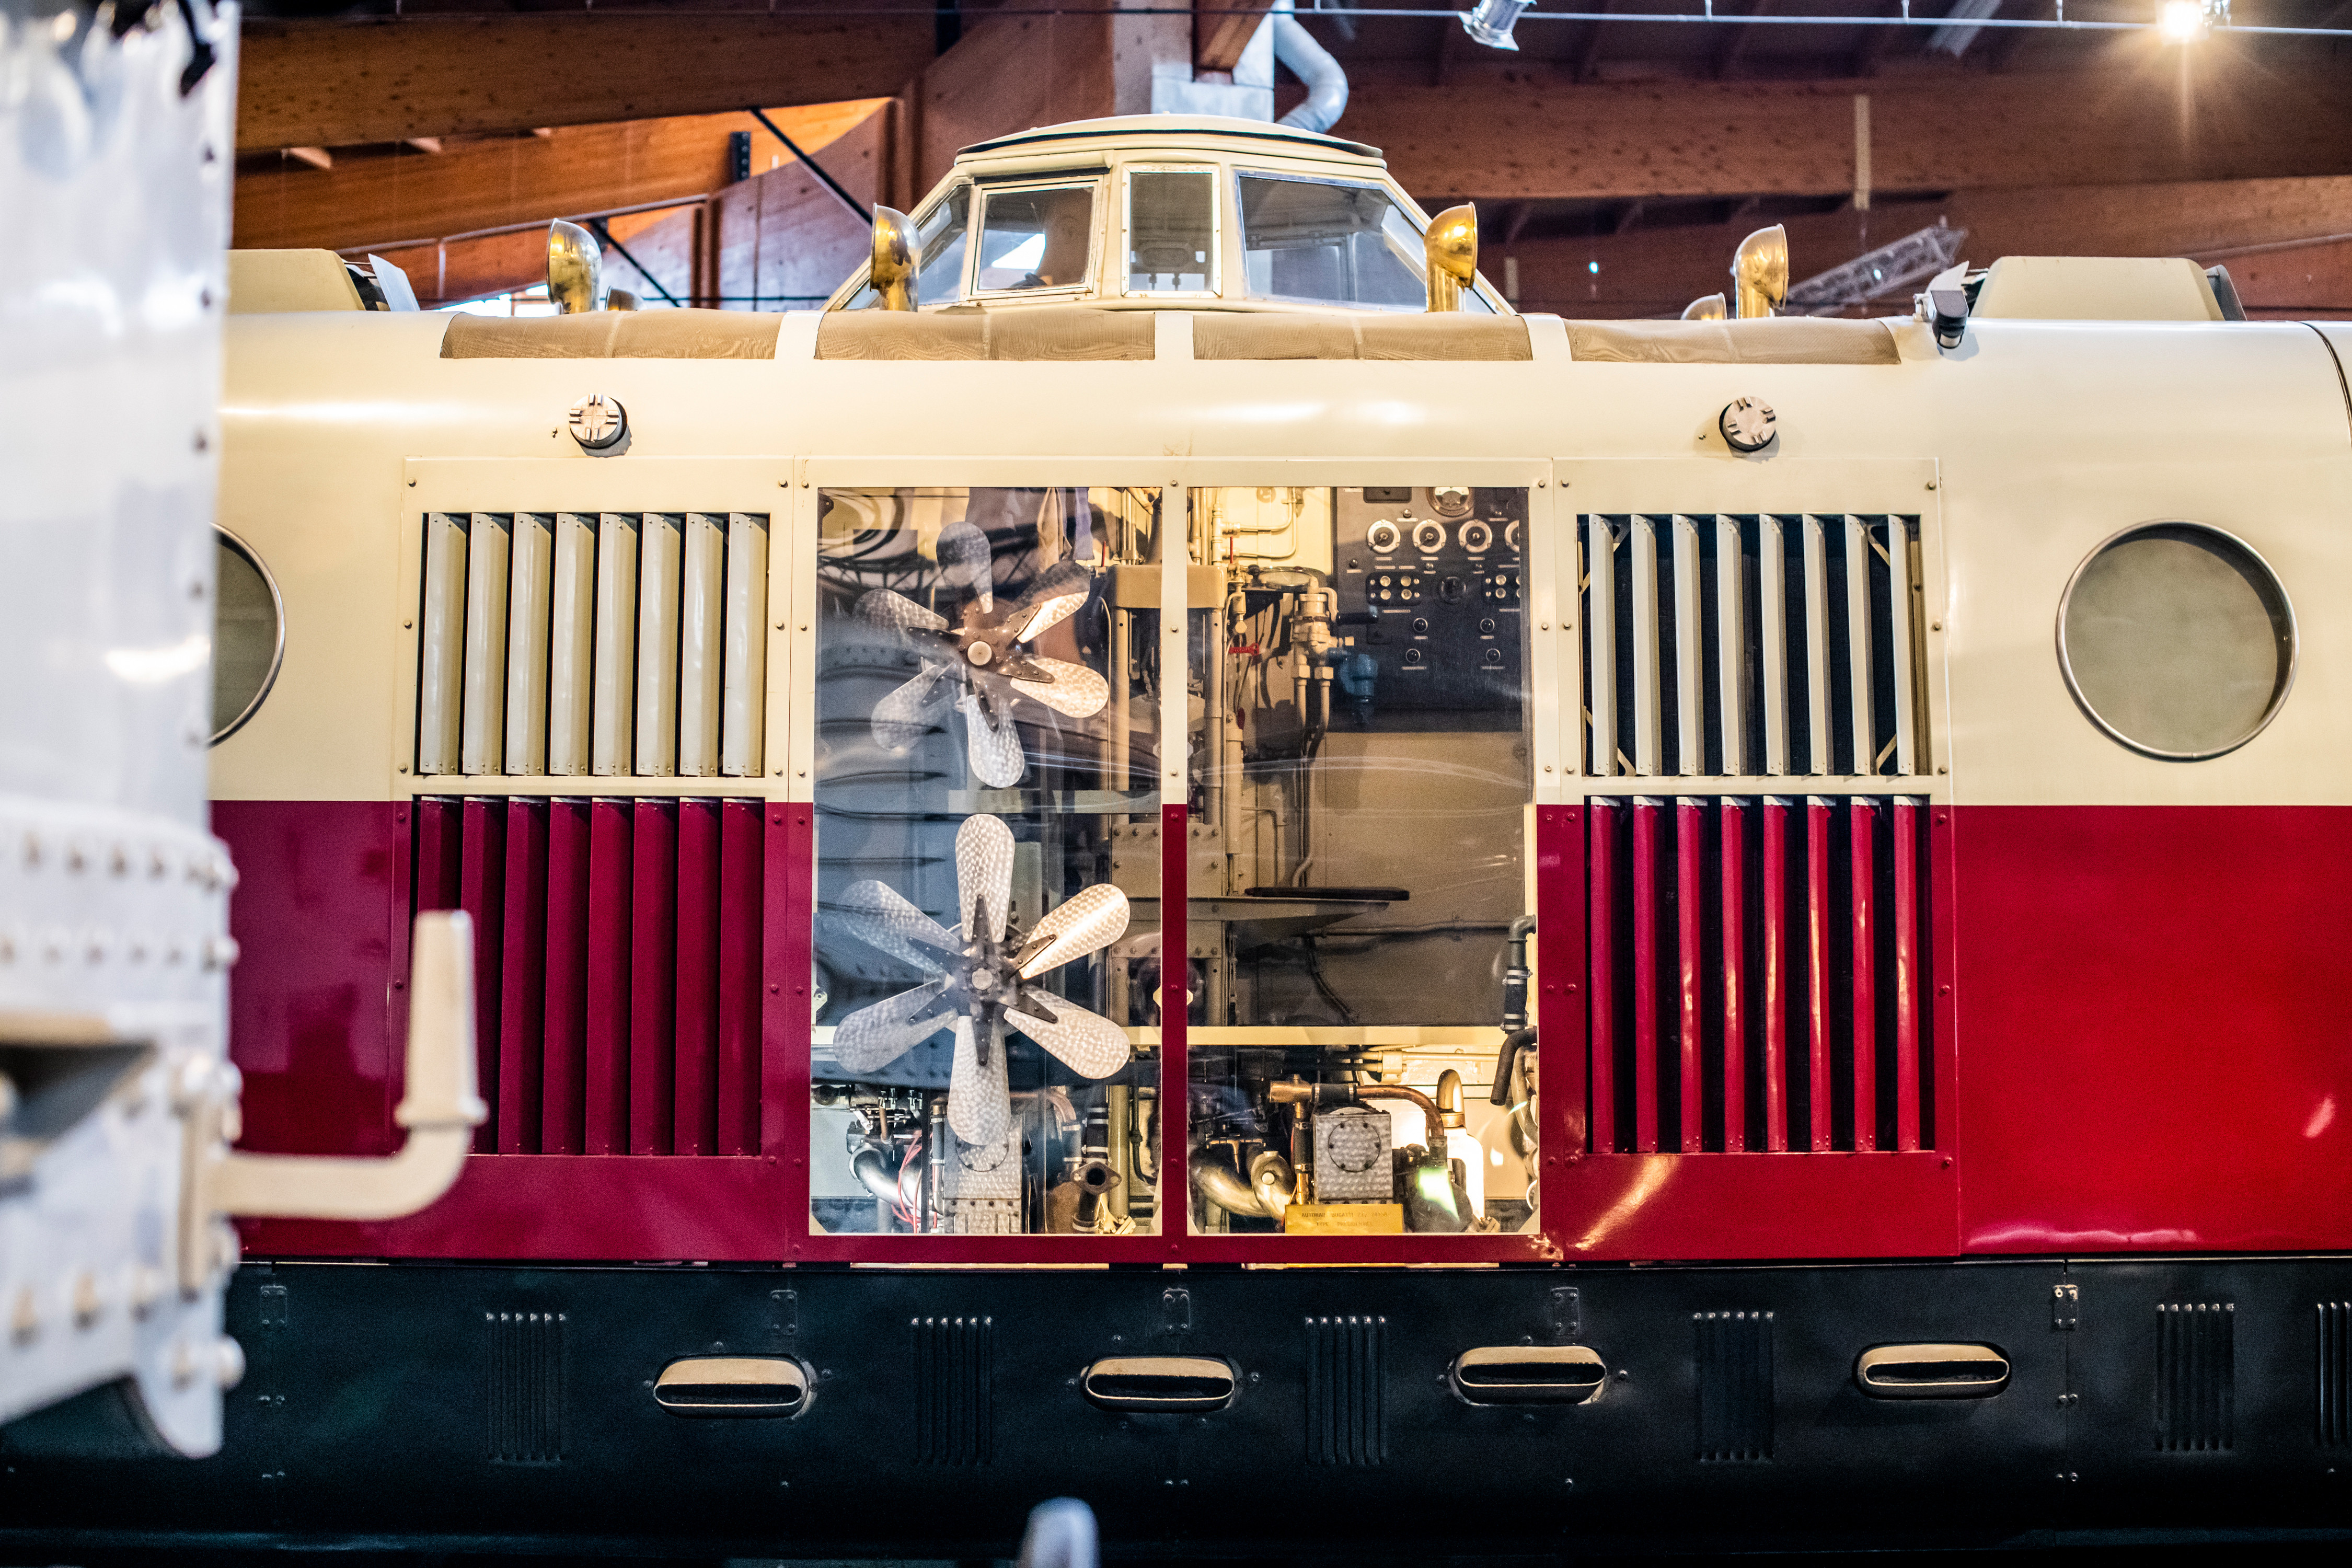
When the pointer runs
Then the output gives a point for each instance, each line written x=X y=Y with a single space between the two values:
x=1324 y=243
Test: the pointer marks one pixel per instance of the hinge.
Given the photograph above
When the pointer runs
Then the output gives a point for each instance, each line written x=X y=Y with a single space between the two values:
x=1176 y=1311
x=2065 y=1306
x=1567 y=1317
x=784 y=1314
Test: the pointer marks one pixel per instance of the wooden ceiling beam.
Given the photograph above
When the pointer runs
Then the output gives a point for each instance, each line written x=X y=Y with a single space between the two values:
x=333 y=84
x=402 y=194
x=1222 y=29
x=1539 y=136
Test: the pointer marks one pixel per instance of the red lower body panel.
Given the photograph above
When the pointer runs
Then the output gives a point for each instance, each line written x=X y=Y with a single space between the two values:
x=2139 y=1037
x=2155 y=1050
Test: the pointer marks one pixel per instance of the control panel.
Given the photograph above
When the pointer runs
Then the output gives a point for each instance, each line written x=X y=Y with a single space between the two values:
x=1431 y=581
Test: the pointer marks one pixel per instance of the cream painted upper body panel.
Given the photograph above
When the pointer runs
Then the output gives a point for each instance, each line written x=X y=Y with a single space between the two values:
x=2046 y=438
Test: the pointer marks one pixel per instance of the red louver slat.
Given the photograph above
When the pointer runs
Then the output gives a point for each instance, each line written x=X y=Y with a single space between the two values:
x=1734 y=840
x=1689 y=911
x=610 y=854
x=741 y=839
x=1774 y=898
x=1602 y=925
x=696 y=1128
x=1861 y=818
x=564 y=1062
x=523 y=1003
x=652 y=971
x=1817 y=971
x=1645 y=976
x=481 y=893
x=1906 y=977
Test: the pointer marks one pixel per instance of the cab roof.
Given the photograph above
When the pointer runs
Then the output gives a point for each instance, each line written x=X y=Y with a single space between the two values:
x=1144 y=129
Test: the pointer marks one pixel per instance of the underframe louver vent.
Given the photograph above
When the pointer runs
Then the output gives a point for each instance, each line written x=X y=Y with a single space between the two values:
x=593 y=644
x=1347 y=1391
x=1735 y=1386
x=1762 y=646
x=523 y=1386
x=2335 y=1375
x=2196 y=1376
x=955 y=1395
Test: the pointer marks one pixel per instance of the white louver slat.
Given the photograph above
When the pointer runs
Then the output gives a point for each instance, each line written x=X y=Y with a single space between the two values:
x=1723 y=645
x=577 y=644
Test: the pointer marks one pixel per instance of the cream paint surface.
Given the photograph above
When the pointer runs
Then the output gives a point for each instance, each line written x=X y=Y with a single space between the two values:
x=2044 y=439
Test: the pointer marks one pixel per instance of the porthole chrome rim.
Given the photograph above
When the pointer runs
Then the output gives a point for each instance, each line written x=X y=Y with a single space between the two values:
x=278 y=649
x=2286 y=601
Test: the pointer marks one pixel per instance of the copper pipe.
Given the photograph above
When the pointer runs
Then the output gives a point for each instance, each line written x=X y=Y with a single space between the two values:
x=1342 y=1093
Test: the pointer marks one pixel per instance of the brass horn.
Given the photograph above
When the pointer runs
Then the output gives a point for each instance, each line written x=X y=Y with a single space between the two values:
x=576 y=268
x=1707 y=308
x=1760 y=272
x=897 y=258
x=1451 y=251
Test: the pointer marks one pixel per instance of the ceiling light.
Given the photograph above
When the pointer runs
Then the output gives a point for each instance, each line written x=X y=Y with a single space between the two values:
x=2188 y=21
x=1492 y=22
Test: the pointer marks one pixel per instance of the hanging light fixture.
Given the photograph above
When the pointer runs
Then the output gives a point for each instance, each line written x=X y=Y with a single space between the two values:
x=1492 y=21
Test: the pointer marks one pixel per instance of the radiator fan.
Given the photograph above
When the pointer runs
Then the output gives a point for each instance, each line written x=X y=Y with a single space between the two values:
x=979 y=981
x=978 y=666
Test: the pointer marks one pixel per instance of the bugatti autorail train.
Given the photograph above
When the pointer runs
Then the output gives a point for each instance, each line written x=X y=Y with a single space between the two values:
x=1131 y=864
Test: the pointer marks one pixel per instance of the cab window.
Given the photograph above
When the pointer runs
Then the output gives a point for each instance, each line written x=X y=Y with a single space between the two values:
x=1326 y=242
x=1035 y=237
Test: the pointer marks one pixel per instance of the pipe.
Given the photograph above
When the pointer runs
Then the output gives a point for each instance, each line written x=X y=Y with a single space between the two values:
x=1097 y=1182
x=1326 y=84
x=440 y=1110
x=880 y=1179
x=1215 y=1181
x=1514 y=1043
x=1516 y=975
x=1449 y=1097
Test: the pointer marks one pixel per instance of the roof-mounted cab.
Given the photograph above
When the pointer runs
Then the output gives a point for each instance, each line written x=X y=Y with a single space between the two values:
x=1160 y=211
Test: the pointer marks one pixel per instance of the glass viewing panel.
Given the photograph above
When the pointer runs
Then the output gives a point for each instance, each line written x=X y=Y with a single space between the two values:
x=1035 y=238
x=1172 y=231
x=1360 y=796
x=1331 y=244
x=986 y=1058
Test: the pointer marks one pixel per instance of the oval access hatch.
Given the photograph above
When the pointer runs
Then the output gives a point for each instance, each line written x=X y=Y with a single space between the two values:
x=1530 y=1374
x=1931 y=1372
x=738 y=1386
x=1160 y=1384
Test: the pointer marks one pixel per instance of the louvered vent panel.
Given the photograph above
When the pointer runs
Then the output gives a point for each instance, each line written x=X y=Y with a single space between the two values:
x=1347 y=1391
x=2335 y=1375
x=1735 y=1386
x=1733 y=647
x=955 y=1398
x=618 y=951
x=593 y=643
x=2196 y=1376
x=1758 y=974
x=524 y=1387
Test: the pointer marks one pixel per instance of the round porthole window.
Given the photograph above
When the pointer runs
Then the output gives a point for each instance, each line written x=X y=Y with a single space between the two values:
x=2178 y=641
x=248 y=633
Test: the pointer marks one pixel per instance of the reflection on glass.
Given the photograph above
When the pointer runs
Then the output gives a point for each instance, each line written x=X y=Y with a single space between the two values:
x=1360 y=796
x=245 y=637
x=940 y=232
x=1170 y=230
x=1333 y=244
x=1035 y=238
x=987 y=921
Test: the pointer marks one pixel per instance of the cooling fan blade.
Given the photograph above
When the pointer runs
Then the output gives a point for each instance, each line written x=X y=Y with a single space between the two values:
x=1053 y=598
x=992 y=745
x=1087 y=922
x=980 y=1104
x=1091 y=1045
x=1070 y=688
x=881 y=1034
x=966 y=561
x=984 y=872
x=875 y=914
x=886 y=608
x=914 y=709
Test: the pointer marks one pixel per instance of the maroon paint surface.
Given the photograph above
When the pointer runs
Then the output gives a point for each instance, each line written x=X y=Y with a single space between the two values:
x=310 y=1013
x=2156 y=1054
x=2154 y=1049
